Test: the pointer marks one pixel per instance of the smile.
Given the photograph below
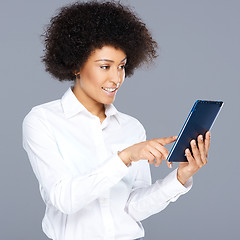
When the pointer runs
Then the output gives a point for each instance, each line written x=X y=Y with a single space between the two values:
x=110 y=90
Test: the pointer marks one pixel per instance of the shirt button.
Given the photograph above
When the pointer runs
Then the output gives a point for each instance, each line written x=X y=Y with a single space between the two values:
x=104 y=200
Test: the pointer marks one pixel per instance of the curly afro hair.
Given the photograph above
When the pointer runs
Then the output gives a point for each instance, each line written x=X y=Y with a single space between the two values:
x=81 y=27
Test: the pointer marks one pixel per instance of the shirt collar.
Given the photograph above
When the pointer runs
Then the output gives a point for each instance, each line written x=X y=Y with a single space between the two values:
x=71 y=106
x=110 y=110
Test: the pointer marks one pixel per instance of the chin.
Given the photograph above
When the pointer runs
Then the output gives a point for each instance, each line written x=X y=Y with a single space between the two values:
x=110 y=101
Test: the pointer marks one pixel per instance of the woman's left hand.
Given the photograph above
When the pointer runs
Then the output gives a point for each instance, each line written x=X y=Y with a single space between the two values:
x=196 y=160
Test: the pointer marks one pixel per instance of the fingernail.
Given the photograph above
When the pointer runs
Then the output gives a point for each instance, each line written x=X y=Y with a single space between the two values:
x=193 y=142
x=187 y=151
x=201 y=137
x=171 y=165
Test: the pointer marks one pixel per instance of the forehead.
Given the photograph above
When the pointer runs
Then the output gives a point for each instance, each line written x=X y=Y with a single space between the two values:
x=108 y=52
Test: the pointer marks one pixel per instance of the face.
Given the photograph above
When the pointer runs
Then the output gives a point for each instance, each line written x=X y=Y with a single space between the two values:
x=101 y=76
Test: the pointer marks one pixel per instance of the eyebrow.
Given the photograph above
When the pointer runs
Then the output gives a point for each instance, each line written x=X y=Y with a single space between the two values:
x=108 y=60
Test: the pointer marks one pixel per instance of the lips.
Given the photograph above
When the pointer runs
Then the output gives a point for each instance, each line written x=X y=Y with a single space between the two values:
x=109 y=90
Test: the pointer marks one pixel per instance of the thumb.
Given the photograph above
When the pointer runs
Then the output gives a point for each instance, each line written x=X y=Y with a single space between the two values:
x=167 y=140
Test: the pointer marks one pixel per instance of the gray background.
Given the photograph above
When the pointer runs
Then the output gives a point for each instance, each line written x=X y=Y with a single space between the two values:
x=199 y=59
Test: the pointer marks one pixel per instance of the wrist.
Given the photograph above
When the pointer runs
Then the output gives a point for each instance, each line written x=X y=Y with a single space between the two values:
x=124 y=157
x=181 y=177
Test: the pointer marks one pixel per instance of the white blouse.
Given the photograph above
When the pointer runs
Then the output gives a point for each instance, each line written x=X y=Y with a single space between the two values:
x=88 y=191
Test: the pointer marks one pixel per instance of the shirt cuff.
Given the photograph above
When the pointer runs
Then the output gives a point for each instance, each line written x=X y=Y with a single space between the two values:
x=115 y=169
x=173 y=188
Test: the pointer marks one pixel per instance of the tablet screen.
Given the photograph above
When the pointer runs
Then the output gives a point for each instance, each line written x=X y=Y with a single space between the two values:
x=199 y=121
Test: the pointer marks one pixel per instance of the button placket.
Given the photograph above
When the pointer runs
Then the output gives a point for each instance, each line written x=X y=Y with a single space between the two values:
x=99 y=140
x=104 y=201
x=107 y=216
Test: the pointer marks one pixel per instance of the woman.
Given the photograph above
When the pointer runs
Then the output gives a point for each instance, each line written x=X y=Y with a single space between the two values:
x=92 y=161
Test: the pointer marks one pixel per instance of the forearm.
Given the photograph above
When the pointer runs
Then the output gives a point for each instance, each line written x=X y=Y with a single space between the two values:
x=70 y=195
x=150 y=200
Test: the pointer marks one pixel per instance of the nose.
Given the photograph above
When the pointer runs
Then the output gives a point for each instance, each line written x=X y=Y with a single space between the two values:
x=116 y=76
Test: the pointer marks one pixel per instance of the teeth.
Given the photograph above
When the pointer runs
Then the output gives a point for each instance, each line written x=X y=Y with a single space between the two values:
x=110 y=89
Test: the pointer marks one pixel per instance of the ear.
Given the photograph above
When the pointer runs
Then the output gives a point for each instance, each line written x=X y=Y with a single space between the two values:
x=77 y=74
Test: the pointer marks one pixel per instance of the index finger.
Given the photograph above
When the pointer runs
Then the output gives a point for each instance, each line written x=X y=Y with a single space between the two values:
x=207 y=141
x=166 y=140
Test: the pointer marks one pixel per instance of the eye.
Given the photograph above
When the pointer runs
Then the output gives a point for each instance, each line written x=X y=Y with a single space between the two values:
x=122 y=66
x=104 y=67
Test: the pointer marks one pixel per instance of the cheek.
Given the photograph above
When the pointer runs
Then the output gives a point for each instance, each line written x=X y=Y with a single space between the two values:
x=91 y=79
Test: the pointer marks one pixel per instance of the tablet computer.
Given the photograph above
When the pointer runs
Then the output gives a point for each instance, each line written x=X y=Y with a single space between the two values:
x=199 y=121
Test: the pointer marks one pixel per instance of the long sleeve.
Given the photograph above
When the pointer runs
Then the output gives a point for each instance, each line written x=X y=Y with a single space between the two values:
x=66 y=192
x=147 y=199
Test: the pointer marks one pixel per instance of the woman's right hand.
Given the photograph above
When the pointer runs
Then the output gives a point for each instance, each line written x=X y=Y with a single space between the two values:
x=148 y=150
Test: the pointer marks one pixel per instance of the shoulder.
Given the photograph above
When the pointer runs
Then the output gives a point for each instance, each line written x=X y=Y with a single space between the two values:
x=132 y=124
x=40 y=112
x=127 y=119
